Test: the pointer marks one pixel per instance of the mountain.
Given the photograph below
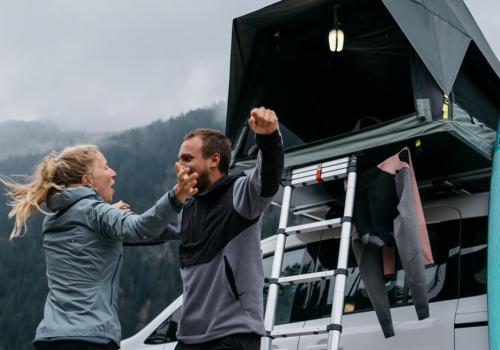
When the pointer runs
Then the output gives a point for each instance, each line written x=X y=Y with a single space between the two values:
x=144 y=161
x=18 y=138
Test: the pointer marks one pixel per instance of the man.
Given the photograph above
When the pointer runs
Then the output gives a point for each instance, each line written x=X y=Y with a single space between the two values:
x=221 y=261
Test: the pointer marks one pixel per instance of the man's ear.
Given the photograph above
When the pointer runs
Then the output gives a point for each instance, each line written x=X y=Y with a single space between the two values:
x=86 y=180
x=214 y=160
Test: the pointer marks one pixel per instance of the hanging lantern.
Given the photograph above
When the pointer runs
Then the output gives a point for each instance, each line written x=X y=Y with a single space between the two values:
x=336 y=40
x=336 y=35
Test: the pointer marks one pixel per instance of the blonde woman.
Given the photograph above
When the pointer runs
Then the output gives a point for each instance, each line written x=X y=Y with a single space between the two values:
x=82 y=240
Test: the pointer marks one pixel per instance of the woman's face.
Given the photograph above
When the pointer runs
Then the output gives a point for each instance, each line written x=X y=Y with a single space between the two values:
x=102 y=179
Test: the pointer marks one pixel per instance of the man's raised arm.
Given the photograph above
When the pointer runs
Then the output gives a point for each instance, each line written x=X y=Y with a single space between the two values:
x=253 y=193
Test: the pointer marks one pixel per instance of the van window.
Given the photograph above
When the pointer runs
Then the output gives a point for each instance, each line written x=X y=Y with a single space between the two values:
x=292 y=300
x=271 y=218
x=441 y=277
x=314 y=300
x=166 y=332
x=473 y=257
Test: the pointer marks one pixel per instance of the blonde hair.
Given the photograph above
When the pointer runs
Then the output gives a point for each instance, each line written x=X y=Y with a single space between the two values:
x=53 y=174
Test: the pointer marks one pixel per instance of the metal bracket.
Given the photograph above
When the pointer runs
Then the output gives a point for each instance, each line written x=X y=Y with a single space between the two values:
x=340 y=272
x=346 y=219
x=334 y=327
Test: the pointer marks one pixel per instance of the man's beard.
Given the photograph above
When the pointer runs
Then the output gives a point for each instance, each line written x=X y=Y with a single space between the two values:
x=203 y=182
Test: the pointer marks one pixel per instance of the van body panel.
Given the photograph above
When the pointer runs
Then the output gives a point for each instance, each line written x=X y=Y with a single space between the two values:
x=471 y=338
x=475 y=304
x=471 y=323
x=362 y=330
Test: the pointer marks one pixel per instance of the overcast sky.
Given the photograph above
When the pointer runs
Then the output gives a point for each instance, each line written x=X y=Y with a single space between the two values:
x=113 y=64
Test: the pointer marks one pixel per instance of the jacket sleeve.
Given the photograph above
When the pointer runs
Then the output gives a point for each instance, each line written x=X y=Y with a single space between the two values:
x=406 y=234
x=253 y=193
x=161 y=219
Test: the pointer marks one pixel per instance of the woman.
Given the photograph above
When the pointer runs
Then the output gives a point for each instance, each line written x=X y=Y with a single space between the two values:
x=82 y=239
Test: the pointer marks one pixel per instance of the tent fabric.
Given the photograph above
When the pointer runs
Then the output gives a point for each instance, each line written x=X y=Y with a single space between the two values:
x=435 y=33
x=468 y=131
x=426 y=88
x=245 y=31
x=443 y=33
x=293 y=72
x=463 y=14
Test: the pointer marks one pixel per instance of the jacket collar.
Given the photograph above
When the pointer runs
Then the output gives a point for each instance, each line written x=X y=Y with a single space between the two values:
x=220 y=185
x=61 y=201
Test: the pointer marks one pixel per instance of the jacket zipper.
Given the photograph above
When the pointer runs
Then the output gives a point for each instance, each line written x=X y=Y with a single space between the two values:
x=195 y=214
x=113 y=279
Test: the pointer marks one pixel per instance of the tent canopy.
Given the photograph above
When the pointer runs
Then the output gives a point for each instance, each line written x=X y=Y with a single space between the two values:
x=395 y=51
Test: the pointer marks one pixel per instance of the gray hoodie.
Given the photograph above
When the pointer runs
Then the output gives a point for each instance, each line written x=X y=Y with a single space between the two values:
x=221 y=260
x=83 y=253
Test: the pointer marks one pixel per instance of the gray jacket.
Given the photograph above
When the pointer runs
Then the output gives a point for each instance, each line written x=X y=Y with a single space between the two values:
x=83 y=253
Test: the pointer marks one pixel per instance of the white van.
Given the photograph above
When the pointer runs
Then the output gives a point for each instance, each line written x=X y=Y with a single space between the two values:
x=456 y=286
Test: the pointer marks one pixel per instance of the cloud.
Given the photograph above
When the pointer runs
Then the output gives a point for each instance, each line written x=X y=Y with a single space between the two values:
x=485 y=12
x=108 y=65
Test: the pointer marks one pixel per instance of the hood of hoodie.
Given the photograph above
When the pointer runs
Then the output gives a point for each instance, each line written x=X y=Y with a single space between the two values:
x=62 y=201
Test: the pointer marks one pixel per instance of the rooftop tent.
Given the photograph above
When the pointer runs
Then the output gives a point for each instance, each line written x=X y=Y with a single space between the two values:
x=281 y=59
x=400 y=58
x=449 y=42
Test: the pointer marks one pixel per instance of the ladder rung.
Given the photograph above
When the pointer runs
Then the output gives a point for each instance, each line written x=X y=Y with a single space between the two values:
x=326 y=175
x=312 y=168
x=332 y=170
x=307 y=277
x=313 y=227
x=298 y=332
x=312 y=207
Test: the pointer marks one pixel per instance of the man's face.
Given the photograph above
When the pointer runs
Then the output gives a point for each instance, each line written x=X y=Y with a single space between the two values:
x=191 y=156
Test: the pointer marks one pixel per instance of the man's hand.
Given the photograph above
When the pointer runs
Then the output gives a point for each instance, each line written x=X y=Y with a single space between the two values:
x=186 y=184
x=263 y=121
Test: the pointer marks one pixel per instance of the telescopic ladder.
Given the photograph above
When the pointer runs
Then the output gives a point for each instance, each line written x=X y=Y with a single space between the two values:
x=306 y=176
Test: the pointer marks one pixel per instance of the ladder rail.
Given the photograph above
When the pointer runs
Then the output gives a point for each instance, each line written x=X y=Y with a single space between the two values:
x=272 y=296
x=340 y=279
x=345 y=167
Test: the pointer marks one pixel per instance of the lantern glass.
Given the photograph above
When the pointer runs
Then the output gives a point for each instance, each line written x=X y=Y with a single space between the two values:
x=336 y=40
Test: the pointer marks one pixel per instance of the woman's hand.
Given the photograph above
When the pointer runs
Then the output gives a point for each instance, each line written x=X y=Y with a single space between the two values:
x=122 y=205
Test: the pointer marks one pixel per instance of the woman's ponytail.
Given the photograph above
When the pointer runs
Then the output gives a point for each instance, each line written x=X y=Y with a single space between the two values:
x=52 y=175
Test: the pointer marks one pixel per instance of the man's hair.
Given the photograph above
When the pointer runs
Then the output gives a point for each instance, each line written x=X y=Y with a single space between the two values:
x=213 y=142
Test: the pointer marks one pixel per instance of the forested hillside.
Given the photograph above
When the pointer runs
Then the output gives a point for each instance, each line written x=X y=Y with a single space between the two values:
x=20 y=138
x=144 y=159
